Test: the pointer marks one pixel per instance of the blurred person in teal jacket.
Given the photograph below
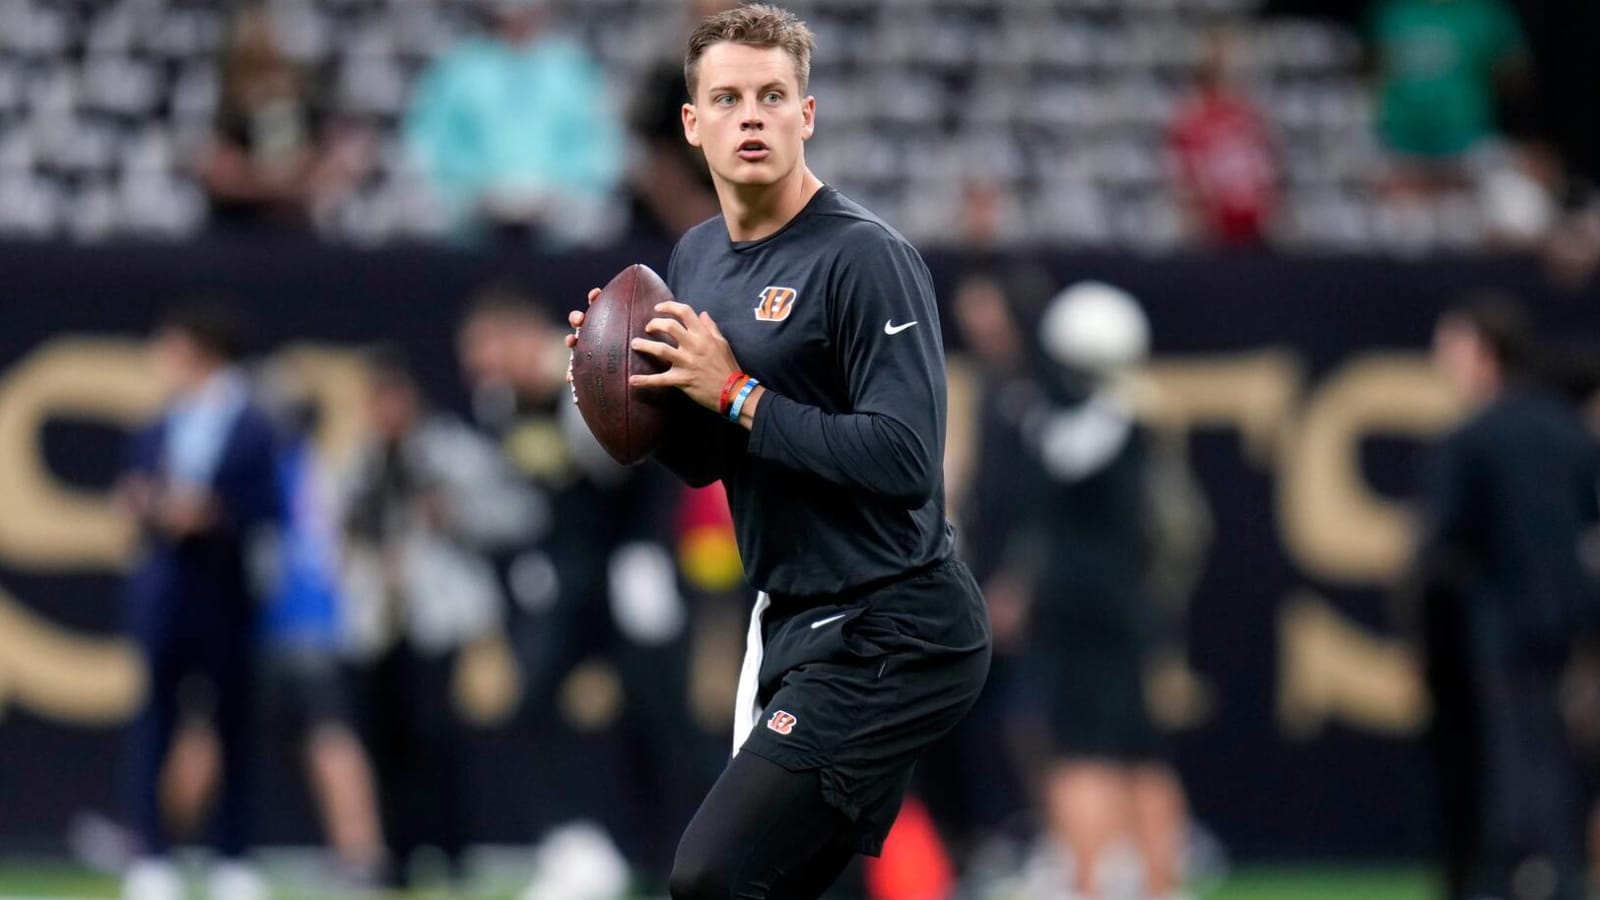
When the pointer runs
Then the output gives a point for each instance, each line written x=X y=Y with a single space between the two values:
x=518 y=135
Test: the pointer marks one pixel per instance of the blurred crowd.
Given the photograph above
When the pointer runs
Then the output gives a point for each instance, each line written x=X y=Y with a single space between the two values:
x=1423 y=125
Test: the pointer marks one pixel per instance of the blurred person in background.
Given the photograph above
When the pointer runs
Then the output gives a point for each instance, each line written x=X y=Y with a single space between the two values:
x=1227 y=170
x=273 y=160
x=603 y=585
x=1441 y=67
x=308 y=706
x=201 y=482
x=1507 y=495
x=671 y=184
x=516 y=132
x=972 y=793
x=1091 y=616
x=427 y=499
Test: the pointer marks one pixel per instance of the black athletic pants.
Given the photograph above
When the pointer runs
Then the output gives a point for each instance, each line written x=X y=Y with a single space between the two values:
x=417 y=744
x=763 y=833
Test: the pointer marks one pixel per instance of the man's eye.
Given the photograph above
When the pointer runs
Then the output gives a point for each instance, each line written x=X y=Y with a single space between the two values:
x=724 y=100
x=774 y=97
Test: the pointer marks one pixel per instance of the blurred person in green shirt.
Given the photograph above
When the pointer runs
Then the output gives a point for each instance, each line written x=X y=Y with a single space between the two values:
x=517 y=133
x=1438 y=64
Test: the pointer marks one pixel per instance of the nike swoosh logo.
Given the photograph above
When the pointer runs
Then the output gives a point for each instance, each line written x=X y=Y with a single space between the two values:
x=821 y=622
x=890 y=328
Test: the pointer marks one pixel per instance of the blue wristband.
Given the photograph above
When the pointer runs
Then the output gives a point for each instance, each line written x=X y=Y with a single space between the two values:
x=738 y=401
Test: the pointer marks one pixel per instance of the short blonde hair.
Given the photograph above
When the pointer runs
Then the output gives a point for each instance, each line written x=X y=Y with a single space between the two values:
x=755 y=25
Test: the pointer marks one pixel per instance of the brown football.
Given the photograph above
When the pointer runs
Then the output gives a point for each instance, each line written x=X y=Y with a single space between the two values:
x=626 y=420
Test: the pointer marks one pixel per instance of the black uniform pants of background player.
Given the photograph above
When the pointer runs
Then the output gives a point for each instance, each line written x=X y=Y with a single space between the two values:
x=763 y=833
x=409 y=724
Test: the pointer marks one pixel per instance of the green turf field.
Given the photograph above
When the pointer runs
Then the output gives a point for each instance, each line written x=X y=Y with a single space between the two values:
x=1289 y=883
x=41 y=880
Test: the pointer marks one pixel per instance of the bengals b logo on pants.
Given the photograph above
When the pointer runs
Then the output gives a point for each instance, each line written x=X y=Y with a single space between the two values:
x=775 y=304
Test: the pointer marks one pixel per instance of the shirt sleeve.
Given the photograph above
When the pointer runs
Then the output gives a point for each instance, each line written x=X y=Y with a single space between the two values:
x=885 y=327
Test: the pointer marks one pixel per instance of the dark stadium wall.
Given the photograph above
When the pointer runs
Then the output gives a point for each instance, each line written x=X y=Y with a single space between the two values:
x=1298 y=387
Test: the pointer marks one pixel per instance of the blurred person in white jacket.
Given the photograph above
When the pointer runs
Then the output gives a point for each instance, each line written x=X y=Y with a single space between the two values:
x=428 y=498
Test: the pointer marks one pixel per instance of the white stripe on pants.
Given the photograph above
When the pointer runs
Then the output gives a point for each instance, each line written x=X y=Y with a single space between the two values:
x=746 y=704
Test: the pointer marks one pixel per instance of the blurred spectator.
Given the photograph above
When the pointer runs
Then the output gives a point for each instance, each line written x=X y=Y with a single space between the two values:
x=1226 y=166
x=428 y=498
x=975 y=768
x=993 y=483
x=308 y=703
x=598 y=582
x=1439 y=64
x=671 y=183
x=1092 y=622
x=516 y=131
x=989 y=216
x=201 y=482
x=273 y=160
x=1507 y=496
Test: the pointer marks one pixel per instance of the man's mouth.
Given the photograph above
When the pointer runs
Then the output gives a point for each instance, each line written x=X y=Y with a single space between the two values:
x=753 y=151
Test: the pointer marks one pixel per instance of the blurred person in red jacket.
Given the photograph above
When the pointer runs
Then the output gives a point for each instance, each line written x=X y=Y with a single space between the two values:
x=1226 y=169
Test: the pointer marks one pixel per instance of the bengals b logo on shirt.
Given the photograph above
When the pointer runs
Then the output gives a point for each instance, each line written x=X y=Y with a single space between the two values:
x=775 y=304
x=782 y=722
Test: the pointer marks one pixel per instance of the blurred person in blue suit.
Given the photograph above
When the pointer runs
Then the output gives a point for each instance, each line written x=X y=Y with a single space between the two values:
x=201 y=482
x=516 y=133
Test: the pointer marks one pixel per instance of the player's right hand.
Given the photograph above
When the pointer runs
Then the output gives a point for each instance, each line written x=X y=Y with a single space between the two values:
x=575 y=319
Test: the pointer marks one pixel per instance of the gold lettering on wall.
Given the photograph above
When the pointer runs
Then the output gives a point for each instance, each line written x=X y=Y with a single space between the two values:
x=64 y=676
x=1330 y=668
x=46 y=525
x=1332 y=524
x=1252 y=392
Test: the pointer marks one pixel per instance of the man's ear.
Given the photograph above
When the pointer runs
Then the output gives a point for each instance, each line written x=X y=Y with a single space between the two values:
x=808 y=115
x=691 y=125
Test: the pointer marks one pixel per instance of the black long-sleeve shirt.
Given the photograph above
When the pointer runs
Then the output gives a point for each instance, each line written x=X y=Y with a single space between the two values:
x=840 y=482
x=1508 y=495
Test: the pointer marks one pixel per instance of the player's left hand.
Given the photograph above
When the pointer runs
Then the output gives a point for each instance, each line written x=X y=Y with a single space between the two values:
x=701 y=362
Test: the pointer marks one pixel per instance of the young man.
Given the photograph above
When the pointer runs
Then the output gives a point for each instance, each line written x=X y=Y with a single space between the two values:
x=807 y=337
